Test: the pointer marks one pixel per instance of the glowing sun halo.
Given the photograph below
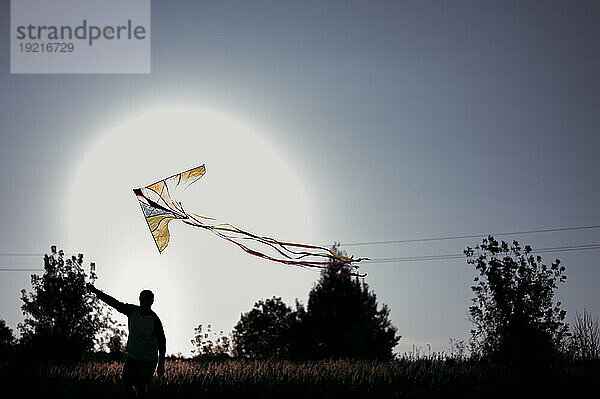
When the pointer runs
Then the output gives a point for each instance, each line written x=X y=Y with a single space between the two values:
x=248 y=182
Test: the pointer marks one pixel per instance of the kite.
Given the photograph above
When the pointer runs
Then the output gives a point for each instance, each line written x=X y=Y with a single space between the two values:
x=160 y=208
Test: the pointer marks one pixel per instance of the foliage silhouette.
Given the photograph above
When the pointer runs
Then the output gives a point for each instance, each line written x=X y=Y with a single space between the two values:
x=584 y=343
x=342 y=320
x=116 y=339
x=514 y=313
x=210 y=346
x=62 y=319
x=265 y=331
x=7 y=340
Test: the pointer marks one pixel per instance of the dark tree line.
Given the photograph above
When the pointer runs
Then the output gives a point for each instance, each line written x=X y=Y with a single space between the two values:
x=514 y=313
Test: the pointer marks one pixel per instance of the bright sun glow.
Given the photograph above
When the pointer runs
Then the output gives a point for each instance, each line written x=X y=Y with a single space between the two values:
x=198 y=278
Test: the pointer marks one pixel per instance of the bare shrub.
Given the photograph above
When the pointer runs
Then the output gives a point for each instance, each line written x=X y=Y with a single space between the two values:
x=584 y=343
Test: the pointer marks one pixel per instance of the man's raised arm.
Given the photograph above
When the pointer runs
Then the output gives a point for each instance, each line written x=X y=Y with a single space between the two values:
x=121 y=307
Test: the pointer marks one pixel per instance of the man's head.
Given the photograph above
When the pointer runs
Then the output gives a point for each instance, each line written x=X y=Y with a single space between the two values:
x=146 y=299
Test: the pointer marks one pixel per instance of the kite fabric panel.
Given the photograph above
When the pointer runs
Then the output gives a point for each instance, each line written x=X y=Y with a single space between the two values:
x=160 y=208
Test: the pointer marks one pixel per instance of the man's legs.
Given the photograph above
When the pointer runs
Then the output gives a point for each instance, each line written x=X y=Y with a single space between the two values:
x=127 y=378
x=141 y=389
x=128 y=390
x=136 y=377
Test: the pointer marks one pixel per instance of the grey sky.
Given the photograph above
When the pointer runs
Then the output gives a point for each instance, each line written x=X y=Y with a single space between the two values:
x=408 y=119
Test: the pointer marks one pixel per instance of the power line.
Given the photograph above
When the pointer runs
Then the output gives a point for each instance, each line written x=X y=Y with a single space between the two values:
x=19 y=255
x=409 y=240
x=420 y=258
x=424 y=239
x=21 y=270
x=458 y=256
x=24 y=254
x=415 y=258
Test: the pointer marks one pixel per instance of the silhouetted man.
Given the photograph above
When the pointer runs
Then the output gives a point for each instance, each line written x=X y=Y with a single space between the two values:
x=146 y=338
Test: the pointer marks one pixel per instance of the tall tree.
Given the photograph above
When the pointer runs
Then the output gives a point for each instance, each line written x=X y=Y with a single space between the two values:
x=514 y=313
x=62 y=319
x=344 y=320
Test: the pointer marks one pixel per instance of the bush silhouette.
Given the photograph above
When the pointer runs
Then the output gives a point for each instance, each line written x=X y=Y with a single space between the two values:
x=265 y=331
x=62 y=319
x=7 y=340
x=514 y=313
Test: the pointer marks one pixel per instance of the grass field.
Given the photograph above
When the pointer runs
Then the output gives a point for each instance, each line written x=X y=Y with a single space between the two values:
x=270 y=379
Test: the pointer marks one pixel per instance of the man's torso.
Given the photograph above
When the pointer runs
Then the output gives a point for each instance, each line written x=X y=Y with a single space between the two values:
x=141 y=344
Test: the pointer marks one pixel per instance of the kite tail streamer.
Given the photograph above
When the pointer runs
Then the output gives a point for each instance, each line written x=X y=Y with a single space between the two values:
x=313 y=257
x=159 y=209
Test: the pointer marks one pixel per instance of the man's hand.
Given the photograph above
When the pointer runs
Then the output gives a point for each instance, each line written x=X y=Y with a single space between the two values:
x=91 y=288
x=160 y=370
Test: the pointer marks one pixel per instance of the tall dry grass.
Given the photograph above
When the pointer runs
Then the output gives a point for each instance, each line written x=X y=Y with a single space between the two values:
x=424 y=377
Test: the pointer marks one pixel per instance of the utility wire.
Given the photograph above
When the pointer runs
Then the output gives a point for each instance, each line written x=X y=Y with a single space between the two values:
x=21 y=255
x=424 y=239
x=420 y=258
x=27 y=254
x=409 y=258
x=21 y=270
x=458 y=256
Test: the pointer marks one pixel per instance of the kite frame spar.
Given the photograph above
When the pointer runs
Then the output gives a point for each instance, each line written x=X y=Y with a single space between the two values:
x=160 y=209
